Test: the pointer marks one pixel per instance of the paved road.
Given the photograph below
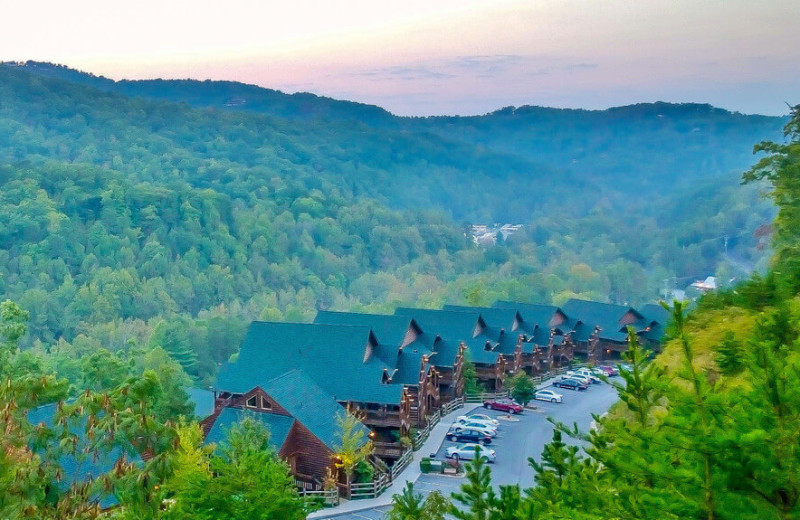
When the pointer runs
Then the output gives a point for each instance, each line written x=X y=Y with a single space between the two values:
x=516 y=441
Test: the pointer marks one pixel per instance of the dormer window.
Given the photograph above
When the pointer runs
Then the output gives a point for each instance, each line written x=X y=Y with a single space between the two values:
x=265 y=403
x=252 y=402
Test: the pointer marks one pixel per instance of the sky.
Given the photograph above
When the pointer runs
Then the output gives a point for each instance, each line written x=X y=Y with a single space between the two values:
x=435 y=57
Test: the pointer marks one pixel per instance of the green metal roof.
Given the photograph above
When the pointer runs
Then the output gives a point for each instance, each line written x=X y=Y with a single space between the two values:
x=390 y=331
x=657 y=318
x=606 y=315
x=330 y=355
x=278 y=425
x=533 y=315
x=499 y=325
x=202 y=400
x=453 y=327
x=310 y=405
x=496 y=317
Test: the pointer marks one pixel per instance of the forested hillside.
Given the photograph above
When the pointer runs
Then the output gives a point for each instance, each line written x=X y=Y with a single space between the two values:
x=128 y=222
x=641 y=148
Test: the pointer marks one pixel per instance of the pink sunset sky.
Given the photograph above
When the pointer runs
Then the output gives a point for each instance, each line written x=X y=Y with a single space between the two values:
x=431 y=57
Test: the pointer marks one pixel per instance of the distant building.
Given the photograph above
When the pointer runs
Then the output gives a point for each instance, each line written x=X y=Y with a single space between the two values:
x=485 y=235
x=709 y=284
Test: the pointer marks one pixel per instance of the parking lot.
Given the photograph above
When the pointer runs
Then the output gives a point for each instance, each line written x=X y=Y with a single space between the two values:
x=522 y=437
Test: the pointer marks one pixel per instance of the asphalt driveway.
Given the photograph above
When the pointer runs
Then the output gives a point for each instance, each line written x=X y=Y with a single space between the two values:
x=522 y=437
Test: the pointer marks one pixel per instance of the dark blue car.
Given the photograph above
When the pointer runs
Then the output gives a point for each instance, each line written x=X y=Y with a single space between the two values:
x=467 y=435
x=570 y=384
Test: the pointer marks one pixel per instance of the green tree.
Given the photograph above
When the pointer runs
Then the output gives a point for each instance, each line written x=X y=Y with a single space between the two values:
x=410 y=505
x=471 y=385
x=781 y=169
x=244 y=479
x=477 y=497
x=522 y=388
x=352 y=446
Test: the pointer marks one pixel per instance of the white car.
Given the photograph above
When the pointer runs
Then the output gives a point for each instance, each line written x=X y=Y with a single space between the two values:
x=467 y=452
x=579 y=377
x=587 y=372
x=548 y=395
x=599 y=372
x=479 y=417
x=474 y=425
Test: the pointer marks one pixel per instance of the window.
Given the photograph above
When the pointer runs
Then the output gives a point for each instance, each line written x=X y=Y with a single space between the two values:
x=265 y=404
x=252 y=402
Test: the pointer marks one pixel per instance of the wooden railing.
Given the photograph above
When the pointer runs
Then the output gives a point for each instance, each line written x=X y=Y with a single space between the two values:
x=401 y=464
x=325 y=497
x=389 y=449
x=370 y=489
x=486 y=396
x=382 y=417
x=448 y=407
x=434 y=419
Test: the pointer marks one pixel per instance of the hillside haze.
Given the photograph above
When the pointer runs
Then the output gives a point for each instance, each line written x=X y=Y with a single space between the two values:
x=639 y=149
x=132 y=203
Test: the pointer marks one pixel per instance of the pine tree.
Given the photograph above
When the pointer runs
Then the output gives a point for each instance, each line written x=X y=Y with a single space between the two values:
x=476 y=496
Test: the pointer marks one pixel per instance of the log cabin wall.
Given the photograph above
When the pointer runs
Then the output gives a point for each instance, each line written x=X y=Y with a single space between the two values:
x=306 y=454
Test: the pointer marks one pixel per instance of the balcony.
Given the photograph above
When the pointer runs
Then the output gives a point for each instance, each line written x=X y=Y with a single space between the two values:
x=389 y=450
x=386 y=418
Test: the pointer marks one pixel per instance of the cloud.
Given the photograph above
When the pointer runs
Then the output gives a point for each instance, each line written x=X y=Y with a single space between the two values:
x=482 y=66
x=404 y=73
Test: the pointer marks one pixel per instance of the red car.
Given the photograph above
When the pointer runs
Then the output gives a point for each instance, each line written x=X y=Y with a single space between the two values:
x=504 y=405
x=609 y=371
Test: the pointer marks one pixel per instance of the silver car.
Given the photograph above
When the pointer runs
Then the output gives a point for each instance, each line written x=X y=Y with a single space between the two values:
x=467 y=452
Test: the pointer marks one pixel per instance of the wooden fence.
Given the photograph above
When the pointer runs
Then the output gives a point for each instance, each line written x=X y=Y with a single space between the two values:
x=326 y=498
x=370 y=489
x=486 y=396
x=401 y=464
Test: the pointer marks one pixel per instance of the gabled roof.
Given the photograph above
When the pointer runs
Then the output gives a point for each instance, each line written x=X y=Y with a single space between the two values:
x=309 y=404
x=390 y=331
x=78 y=469
x=203 y=401
x=606 y=315
x=499 y=325
x=494 y=317
x=655 y=312
x=453 y=327
x=657 y=318
x=278 y=425
x=532 y=314
x=409 y=361
x=333 y=356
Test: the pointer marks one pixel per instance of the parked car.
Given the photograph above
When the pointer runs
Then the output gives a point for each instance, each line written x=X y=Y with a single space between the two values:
x=548 y=395
x=586 y=373
x=504 y=405
x=571 y=384
x=468 y=451
x=609 y=370
x=577 y=377
x=474 y=425
x=482 y=417
x=625 y=366
x=469 y=435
